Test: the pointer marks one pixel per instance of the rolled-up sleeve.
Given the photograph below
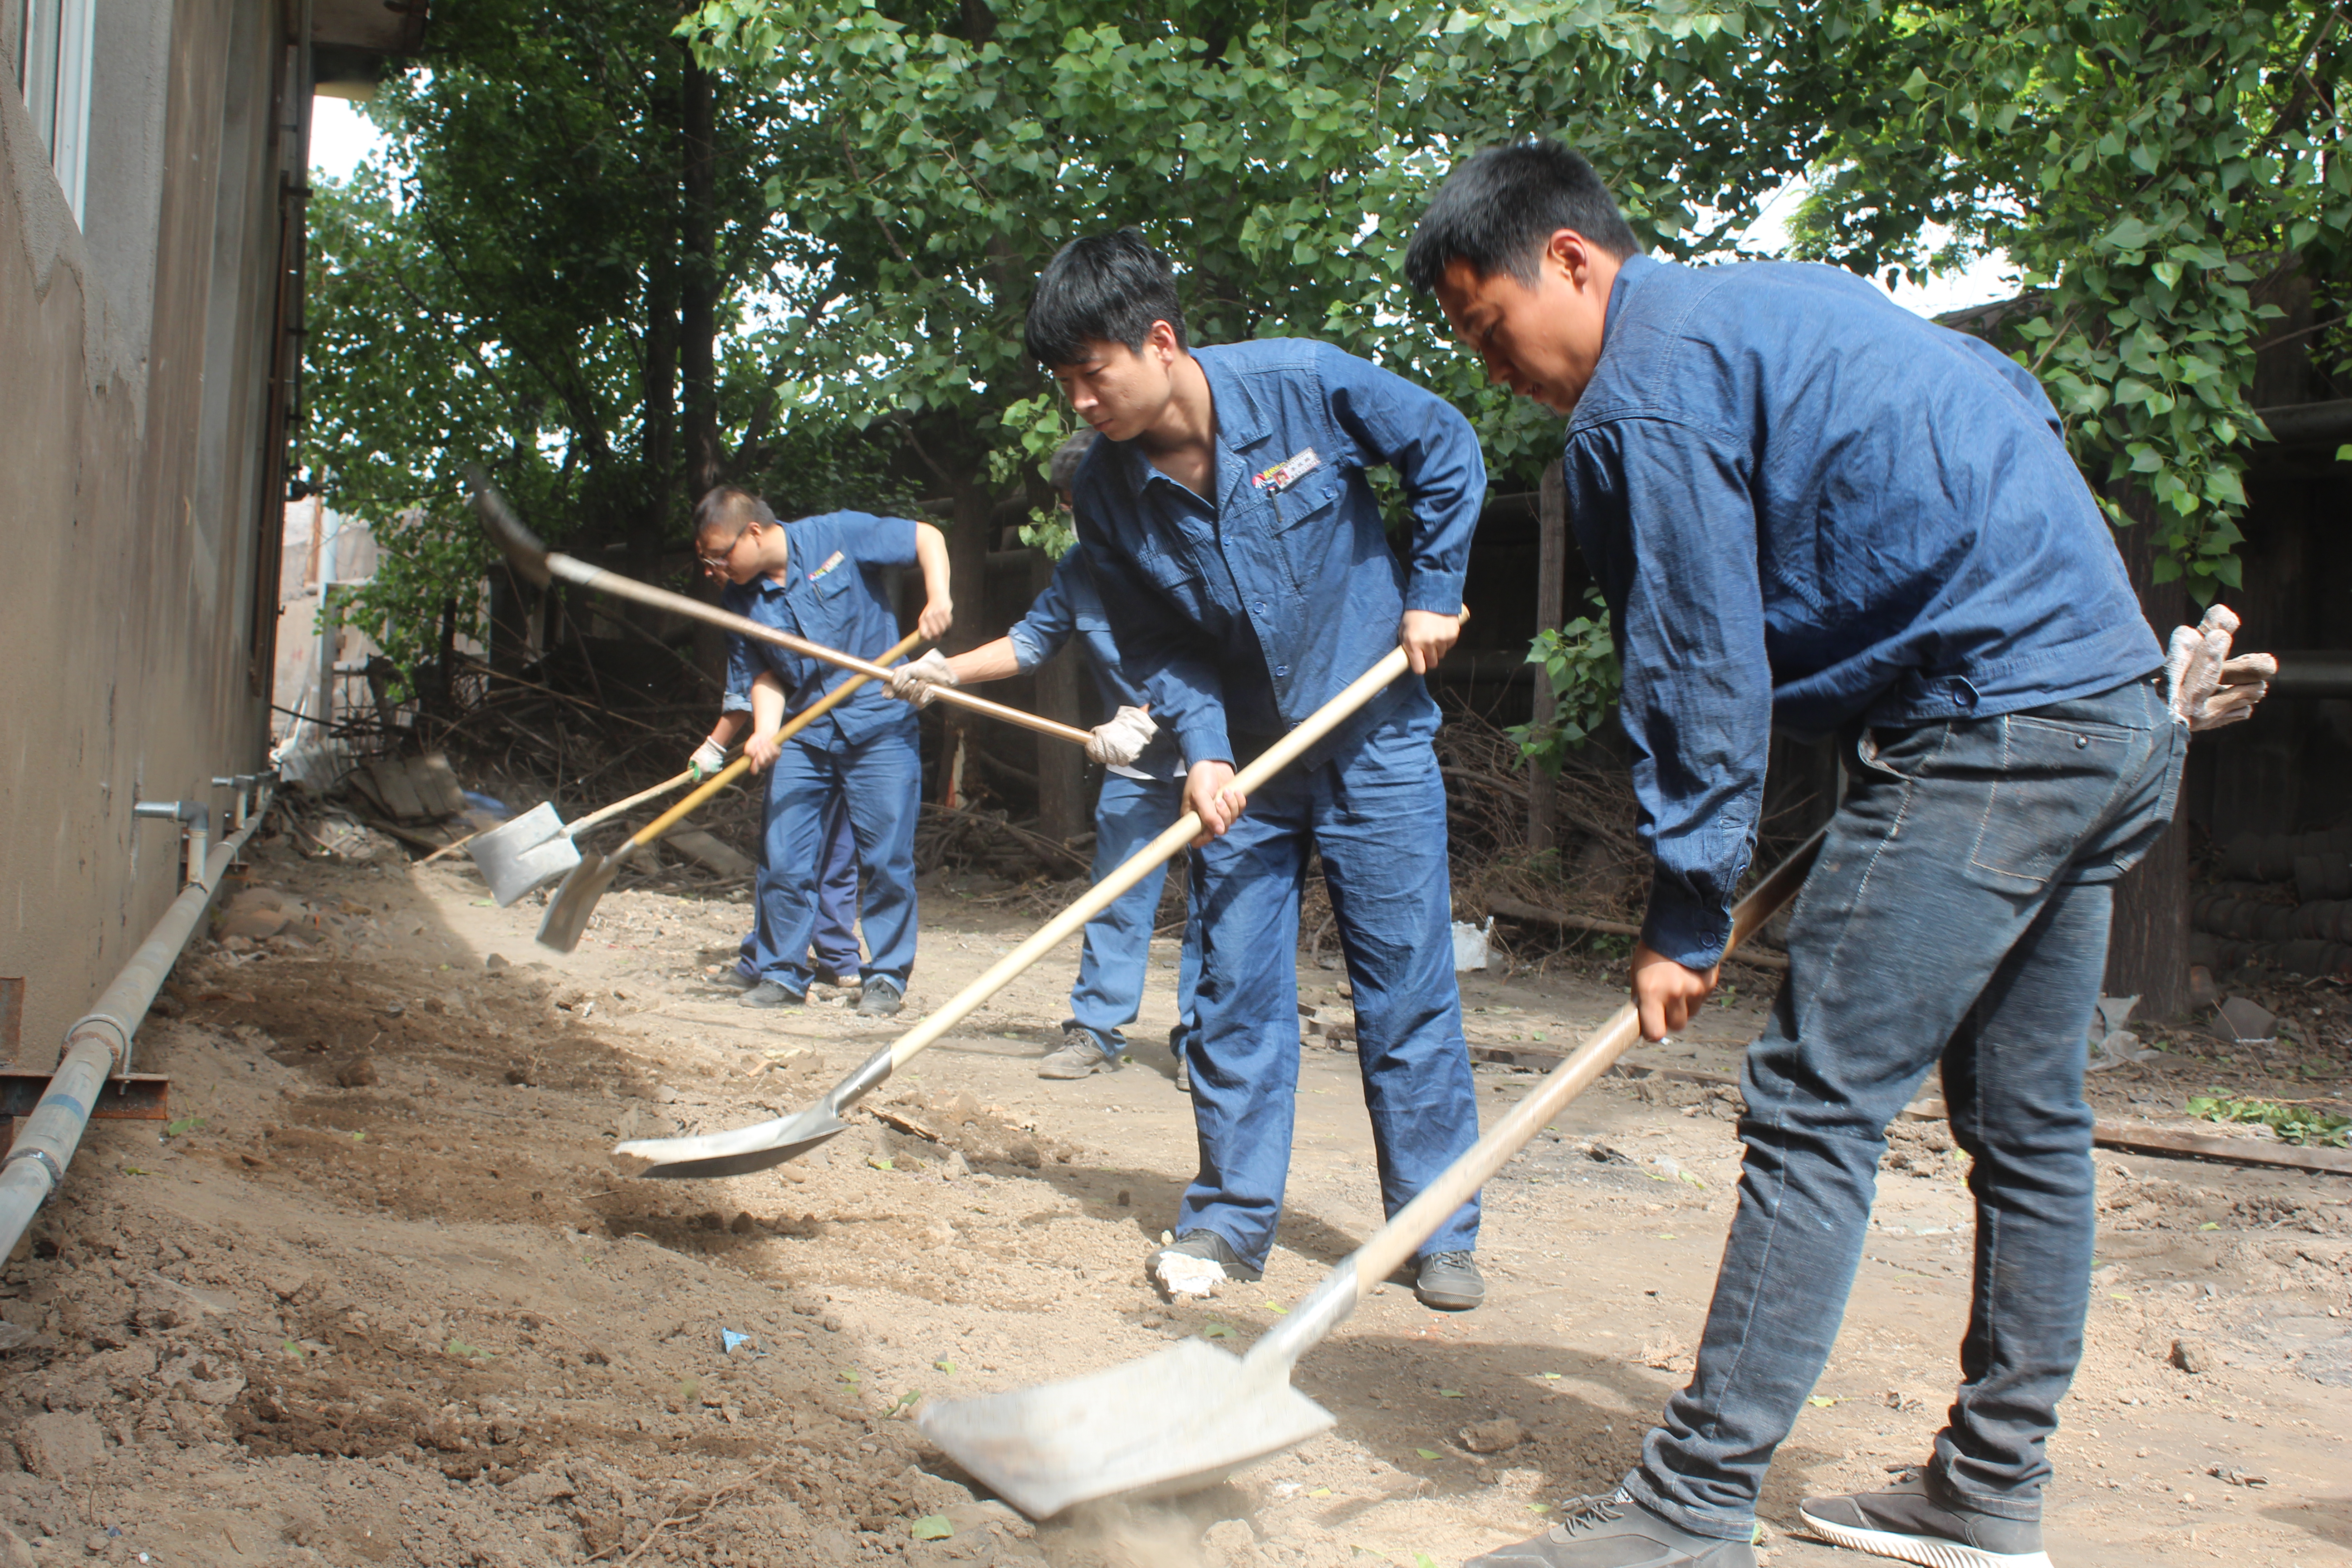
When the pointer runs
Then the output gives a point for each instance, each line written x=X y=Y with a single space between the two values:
x=1668 y=524
x=743 y=663
x=1434 y=452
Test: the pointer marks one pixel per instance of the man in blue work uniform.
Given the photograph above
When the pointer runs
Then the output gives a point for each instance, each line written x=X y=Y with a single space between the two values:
x=1141 y=794
x=1248 y=579
x=1807 y=505
x=822 y=580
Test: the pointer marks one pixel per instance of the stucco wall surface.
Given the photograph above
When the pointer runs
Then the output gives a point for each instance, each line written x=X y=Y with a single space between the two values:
x=129 y=513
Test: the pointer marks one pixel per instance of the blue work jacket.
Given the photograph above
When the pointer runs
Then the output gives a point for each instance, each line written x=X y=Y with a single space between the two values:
x=1807 y=505
x=833 y=594
x=1072 y=606
x=1246 y=611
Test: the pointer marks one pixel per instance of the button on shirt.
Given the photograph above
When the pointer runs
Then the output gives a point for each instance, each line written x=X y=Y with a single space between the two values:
x=833 y=594
x=1072 y=606
x=1245 y=612
x=1807 y=505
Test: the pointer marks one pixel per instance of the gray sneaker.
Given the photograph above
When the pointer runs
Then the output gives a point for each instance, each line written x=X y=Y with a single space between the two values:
x=880 y=998
x=1907 y=1523
x=1183 y=1073
x=731 y=979
x=768 y=993
x=1450 y=1281
x=1617 y=1532
x=1076 y=1057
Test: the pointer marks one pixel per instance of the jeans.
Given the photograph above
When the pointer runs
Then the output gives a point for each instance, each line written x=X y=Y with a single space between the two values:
x=878 y=782
x=1957 y=916
x=1113 y=964
x=1378 y=815
x=834 y=946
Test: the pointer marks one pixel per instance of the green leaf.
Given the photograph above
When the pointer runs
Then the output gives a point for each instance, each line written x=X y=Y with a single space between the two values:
x=1217 y=1332
x=1821 y=1401
x=931 y=1527
x=1429 y=1453
x=184 y=1126
x=946 y=1366
x=1449 y=1393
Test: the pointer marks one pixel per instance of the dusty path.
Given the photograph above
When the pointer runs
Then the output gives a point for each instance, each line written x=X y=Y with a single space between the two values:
x=386 y=1303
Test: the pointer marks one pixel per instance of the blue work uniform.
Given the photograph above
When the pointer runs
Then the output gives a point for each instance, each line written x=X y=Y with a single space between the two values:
x=1241 y=612
x=1136 y=805
x=1806 y=505
x=834 y=593
x=835 y=944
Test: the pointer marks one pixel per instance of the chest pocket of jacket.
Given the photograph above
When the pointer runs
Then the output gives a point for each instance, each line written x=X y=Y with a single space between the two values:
x=1303 y=518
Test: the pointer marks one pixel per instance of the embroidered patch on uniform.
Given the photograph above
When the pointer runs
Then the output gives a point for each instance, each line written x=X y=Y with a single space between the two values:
x=1288 y=472
x=831 y=561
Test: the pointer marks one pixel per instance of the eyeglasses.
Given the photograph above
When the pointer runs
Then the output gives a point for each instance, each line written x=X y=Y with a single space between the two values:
x=720 y=565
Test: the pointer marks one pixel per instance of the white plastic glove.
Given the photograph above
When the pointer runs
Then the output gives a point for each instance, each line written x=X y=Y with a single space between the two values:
x=1119 y=741
x=914 y=682
x=2208 y=688
x=708 y=759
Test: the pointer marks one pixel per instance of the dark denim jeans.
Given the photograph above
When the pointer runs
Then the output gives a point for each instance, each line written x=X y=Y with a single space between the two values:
x=1957 y=915
x=1117 y=955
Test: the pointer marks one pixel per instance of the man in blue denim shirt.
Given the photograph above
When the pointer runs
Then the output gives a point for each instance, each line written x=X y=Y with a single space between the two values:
x=1807 y=505
x=1248 y=578
x=822 y=580
x=1143 y=792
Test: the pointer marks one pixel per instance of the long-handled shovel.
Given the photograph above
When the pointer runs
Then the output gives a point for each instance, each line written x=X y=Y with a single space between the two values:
x=516 y=857
x=568 y=911
x=1192 y=1415
x=772 y=1142
x=524 y=552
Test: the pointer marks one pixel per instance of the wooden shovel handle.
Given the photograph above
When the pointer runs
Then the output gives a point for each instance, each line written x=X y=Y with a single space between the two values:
x=741 y=765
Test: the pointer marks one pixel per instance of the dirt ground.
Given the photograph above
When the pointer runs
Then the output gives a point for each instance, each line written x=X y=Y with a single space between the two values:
x=377 y=1296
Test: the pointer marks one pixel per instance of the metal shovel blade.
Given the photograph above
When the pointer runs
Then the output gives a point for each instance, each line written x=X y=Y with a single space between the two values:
x=1184 y=1419
x=732 y=1154
x=566 y=920
x=516 y=857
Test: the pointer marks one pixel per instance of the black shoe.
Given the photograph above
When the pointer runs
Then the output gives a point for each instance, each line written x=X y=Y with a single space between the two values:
x=768 y=993
x=1450 y=1281
x=732 y=980
x=880 y=998
x=1618 y=1532
x=1207 y=1244
x=1905 y=1522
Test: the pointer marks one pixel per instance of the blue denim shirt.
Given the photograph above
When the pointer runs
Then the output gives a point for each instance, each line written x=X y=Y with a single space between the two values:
x=1807 y=505
x=1072 y=606
x=1246 y=611
x=833 y=594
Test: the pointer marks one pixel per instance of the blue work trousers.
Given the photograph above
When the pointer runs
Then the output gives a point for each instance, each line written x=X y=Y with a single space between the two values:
x=1957 y=917
x=1378 y=815
x=834 y=946
x=880 y=783
x=1116 y=959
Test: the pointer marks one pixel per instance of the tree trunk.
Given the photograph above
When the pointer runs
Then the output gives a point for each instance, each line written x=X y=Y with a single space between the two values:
x=968 y=584
x=698 y=293
x=2148 y=950
x=1551 y=601
x=1061 y=767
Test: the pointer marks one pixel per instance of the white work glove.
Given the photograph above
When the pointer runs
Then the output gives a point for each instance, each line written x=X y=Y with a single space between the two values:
x=708 y=759
x=1117 y=742
x=914 y=682
x=2207 y=687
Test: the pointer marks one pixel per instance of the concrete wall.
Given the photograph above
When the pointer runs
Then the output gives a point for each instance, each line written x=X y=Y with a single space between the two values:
x=136 y=349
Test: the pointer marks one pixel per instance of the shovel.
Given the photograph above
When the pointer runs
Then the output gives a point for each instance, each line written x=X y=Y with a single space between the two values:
x=524 y=552
x=535 y=847
x=568 y=911
x=772 y=1142
x=1192 y=1415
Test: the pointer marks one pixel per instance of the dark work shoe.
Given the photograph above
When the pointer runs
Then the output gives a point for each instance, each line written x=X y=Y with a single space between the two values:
x=1618 y=1532
x=768 y=993
x=1906 y=1523
x=1450 y=1281
x=732 y=979
x=880 y=998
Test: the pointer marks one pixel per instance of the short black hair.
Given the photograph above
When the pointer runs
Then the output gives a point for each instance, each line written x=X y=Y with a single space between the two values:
x=1101 y=288
x=1063 y=468
x=727 y=512
x=1497 y=210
